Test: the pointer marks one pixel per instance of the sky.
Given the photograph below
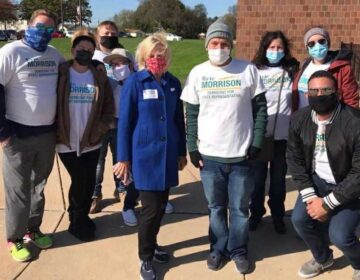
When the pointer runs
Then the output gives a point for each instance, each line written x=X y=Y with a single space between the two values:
x=105 y=9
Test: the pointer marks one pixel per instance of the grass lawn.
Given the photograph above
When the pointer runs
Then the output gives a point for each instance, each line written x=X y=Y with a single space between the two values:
x=185 y=54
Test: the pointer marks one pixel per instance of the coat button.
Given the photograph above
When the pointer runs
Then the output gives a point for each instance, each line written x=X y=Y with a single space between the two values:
x=162 y=118
x=163 y=139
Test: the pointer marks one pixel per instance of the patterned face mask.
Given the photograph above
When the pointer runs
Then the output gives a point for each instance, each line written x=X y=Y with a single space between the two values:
x=37 y=38
x=156 y=65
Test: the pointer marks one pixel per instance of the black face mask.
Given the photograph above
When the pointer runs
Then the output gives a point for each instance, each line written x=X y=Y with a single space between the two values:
x=83 y=57
x=109 y=42
x=323 y=104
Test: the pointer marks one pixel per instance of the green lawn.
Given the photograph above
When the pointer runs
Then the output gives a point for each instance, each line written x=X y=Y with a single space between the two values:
x=185 y=54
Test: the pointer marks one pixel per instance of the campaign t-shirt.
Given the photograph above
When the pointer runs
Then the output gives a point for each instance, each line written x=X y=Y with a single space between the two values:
x=271 y=77
x=116 y=88
x=82 y=92
x=30 y=79
x=303 y=82
x=225 y=121
x=321 y=161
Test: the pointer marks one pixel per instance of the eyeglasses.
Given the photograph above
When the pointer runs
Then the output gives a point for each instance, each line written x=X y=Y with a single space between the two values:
x=48 y=29
x=322 y=91
x=310 y=44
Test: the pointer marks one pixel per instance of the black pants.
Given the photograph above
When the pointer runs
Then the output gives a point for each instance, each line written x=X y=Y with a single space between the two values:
x=153 y=209
x=82 y=171
x=131 y=197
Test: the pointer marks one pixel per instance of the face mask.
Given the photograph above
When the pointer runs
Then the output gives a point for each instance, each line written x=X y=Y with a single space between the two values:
x=37 y=39
x=318 y=51
x=156 y=65
x=274 y=56
x=83 y=57
x=323 y=104
x=121 y=72
x=219 y=56
x=109 y=42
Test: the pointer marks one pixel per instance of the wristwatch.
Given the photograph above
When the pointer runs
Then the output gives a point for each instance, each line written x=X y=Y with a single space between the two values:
x=326 y=207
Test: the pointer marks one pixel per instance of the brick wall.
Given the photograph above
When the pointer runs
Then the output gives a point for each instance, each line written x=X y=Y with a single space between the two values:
x=340 y=17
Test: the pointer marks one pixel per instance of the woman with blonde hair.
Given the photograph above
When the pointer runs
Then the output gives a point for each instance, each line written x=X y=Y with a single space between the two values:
x=151 y=142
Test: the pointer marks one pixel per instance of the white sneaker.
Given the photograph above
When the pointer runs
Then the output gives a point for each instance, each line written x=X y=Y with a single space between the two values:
x=169 y=208
x=130 y=218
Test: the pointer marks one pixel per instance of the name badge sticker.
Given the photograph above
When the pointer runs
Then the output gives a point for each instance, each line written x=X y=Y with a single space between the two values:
x=150 y=94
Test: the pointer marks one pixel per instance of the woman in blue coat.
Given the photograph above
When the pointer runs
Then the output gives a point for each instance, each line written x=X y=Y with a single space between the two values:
x=151 y=142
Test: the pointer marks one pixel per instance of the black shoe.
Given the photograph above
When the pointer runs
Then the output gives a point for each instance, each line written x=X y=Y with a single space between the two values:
x=147 y=271
x=254 y=222
x=279 y=225
x=215 y=261
x=160 y=255
x=90 y=224
x=242 y=264
x=81 y=233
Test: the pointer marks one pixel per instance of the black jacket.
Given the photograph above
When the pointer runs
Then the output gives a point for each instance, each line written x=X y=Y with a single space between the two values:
x=342 y=138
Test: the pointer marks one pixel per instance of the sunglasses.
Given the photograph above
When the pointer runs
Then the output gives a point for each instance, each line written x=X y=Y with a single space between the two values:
x=48 y=29
x=310 y=44
x=323 y=91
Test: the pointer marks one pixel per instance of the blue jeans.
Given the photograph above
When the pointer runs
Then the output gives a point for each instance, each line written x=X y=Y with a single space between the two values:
x=228 y=188
x=109 y=140
x=277 y=190
x=340 y=228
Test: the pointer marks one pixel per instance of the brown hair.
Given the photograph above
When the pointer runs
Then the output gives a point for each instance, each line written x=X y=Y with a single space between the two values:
x=107 y=23
x=43 y=12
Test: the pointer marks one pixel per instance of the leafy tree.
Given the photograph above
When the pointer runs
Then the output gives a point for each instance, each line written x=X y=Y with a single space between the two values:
x=69 y=9
x=7 y=11
x=230 y=18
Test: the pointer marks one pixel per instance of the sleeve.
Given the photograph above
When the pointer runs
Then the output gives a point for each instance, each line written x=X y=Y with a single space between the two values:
x=192 y=113
x=7 y=66
x=127 y=118
x=349 y=188
x=349 y=87
x=297 y=166
x=189 y=93
x=259 y=108
x=180 y=122
x=7 y=69
x=108 y=109
x=257 y=85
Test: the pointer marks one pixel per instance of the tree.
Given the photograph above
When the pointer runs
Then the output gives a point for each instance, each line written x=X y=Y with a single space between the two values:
x=69 y=9
x=230 y=19
x=124 y=19
x=7 y=11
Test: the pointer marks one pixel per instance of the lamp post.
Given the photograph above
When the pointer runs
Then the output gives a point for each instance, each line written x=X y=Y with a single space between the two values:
x=79 y=13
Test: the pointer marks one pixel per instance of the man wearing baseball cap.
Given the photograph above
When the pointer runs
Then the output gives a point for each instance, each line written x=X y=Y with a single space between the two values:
x=226 y=121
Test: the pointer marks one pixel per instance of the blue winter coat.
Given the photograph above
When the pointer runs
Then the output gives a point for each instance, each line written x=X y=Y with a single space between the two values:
x=151 y=130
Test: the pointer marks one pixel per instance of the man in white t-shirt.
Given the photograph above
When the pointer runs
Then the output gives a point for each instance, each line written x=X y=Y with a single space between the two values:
x=226 y=122
x=323 y=156
x=28 y=78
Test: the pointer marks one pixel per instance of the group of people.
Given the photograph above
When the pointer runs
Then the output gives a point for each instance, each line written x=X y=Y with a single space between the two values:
x=242 y=119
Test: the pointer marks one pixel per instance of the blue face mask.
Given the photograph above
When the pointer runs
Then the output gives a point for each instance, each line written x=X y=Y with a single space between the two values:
x=274 y=56
x=36 y=38
x=318 y=51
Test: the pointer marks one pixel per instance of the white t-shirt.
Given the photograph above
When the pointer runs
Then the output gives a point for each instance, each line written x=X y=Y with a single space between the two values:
x=225 y=121
x=99 y=55
x=82 y=92
x=303 y=82
x=271 y=77
x=321 y=161
x=30 y=79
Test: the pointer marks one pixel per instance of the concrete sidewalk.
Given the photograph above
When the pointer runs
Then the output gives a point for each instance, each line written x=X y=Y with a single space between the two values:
x=113 y=255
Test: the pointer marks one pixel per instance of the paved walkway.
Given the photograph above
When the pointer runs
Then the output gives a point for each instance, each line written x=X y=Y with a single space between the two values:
x=113 y=255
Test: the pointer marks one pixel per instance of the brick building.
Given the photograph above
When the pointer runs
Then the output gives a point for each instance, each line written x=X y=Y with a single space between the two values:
x=294 y=17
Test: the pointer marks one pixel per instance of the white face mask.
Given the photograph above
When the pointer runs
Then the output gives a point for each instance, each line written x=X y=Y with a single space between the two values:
x=121 y=72
x=218 y=56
